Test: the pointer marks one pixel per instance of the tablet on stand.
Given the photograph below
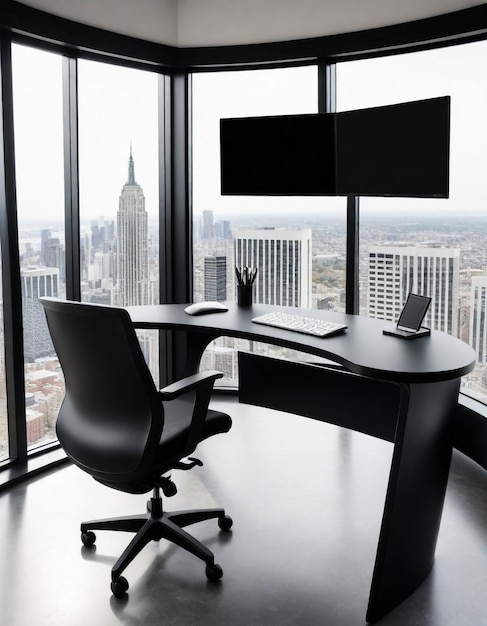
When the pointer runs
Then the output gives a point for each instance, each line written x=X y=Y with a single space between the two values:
x=412 y=315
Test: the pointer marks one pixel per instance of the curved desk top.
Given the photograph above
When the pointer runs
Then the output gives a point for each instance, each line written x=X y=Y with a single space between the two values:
x=362 y=349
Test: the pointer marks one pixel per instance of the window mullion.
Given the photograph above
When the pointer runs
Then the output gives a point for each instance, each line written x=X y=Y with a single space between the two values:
x=71 y=178
x=11 y=283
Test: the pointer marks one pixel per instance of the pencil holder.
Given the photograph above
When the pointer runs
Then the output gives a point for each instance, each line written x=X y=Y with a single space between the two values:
x=244 y=295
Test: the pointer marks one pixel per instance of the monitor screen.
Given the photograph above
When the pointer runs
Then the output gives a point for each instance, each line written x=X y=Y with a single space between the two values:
x=397 y=150
x=290 y=155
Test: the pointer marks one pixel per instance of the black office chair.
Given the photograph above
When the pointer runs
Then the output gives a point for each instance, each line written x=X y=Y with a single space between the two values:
x=115 y=425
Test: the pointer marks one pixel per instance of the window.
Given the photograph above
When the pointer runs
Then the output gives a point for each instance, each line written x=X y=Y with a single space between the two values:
x=297 y=244
x=118 y=128
x=439 y=246
x=119 y=194
x=38 y=118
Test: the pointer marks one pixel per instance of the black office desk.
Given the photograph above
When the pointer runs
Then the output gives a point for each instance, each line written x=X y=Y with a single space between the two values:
x=427 y=372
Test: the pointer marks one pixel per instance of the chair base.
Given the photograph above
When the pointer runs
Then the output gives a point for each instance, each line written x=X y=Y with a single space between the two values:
x=155 y=525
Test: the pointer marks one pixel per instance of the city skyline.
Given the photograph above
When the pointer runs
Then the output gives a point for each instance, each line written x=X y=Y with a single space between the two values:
x=467 y=234
x=107 y=237
x=461 y=241
x=116 y=269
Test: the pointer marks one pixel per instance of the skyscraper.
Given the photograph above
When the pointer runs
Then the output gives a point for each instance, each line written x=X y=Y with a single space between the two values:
x=478 y=319
x=397 y=269
x=215 y=278
x=207 y=229
x=133 y=285
x=132 y=259
x=283 y=259
x=37 y=282
x=52 y=253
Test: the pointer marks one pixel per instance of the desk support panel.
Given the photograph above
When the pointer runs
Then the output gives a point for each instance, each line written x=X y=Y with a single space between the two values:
x=325 y=393
x=415 y=493
x=418 y=418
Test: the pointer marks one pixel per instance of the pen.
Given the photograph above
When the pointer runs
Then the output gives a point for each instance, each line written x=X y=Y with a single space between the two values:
x=245 y=275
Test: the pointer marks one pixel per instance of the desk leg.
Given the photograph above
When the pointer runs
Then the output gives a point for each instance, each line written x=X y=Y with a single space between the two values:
x=415 y=494
x=192 y=345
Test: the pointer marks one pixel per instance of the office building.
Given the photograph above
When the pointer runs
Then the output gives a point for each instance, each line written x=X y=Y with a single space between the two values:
x=396 y=270
x=98 y=263
x=38 y=350
x=36 y=283
x=148 y=340
x=132 y=259
x=283 y=261
x=223 y=359
x=50 y=249
x=134 y=286
x=224 y=229
x=478 y=318
x=215 y=277
x=102 y=239
x=35 y=419
x=52 y=253
x=207 y=224
x=101 y=271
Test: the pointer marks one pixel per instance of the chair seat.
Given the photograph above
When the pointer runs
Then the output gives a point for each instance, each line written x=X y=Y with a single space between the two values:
x=172 y=445
x=177 y=420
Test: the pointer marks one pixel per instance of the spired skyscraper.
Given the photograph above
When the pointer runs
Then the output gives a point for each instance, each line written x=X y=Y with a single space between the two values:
x=133 y=285
x=132 y=258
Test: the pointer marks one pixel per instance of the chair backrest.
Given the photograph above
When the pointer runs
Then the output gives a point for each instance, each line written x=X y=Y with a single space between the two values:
x=111 y=418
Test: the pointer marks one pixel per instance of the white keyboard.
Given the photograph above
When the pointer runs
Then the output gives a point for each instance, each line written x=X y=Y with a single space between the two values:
x=300 y=324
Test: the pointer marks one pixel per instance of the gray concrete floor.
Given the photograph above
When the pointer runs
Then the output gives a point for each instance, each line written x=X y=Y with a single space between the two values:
x=307 y=507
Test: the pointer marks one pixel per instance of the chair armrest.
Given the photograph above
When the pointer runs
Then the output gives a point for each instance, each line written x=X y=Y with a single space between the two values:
x=196 y=381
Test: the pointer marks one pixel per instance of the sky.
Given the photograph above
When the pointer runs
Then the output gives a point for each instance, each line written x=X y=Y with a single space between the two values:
x=118 y=109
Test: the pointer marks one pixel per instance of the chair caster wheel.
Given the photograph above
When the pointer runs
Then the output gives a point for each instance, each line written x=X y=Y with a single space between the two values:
x=214 y=573
x=88 y=538
x=225 y=523
x=119 y=587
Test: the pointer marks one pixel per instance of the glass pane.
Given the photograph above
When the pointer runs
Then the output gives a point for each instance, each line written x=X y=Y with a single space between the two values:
x=38 y=118
x=119 y=196
x=429 y=246
x=298 y=243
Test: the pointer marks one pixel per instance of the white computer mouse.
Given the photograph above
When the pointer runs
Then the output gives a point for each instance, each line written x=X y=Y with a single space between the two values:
x=209 y=306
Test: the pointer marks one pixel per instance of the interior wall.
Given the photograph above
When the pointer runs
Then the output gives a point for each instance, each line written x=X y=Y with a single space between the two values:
x=189 y=23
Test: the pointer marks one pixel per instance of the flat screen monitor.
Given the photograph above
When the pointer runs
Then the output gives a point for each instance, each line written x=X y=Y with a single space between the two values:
x=290 y=155
x=397 y=150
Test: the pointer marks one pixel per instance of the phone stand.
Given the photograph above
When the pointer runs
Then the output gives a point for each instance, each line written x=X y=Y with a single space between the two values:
x=408 y=334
